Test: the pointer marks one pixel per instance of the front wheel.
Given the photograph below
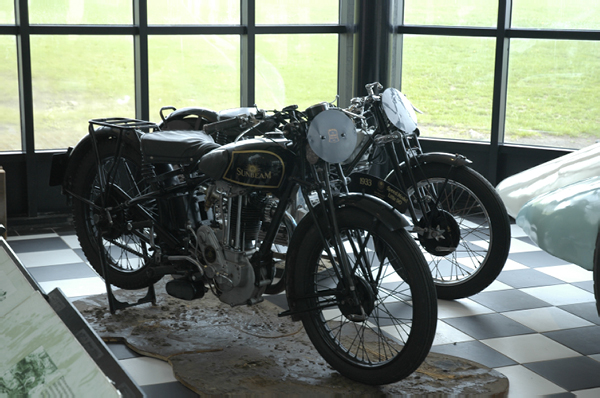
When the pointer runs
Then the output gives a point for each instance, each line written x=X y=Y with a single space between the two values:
x=467 y=236
x=381 y=333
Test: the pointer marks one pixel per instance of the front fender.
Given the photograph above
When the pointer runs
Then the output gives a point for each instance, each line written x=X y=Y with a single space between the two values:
x=376 y=207
x=450 y=159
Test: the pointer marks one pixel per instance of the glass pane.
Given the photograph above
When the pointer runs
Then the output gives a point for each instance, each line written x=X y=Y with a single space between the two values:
x=277 y=12
x=182 y=75
x=80 y=12
x=206 y=12
x=7 y=11
x=556 y=14
x=450 y=79
x=451 y=12
x=97 y=81
x=295 y=69
x=553 y=97
x=10 y=127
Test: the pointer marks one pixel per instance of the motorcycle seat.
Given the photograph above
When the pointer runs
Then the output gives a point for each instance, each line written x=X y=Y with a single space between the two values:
x=176 y=146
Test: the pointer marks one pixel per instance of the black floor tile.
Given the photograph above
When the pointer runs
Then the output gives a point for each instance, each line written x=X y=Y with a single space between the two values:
x=173 y=389
x=584 y=340
x=475 y=351
x=38 y=245
x=586 y=311
x=60 y=272
x=488 y=326
x=523 y=278
x=536 y=259
x=508 y=300
x=279 y=300
x=572 y=374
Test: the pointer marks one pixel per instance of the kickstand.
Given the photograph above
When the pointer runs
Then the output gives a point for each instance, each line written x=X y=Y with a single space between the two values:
x=113 y=303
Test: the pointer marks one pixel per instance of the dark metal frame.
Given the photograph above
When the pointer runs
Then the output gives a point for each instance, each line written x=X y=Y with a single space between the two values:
x=368 y=30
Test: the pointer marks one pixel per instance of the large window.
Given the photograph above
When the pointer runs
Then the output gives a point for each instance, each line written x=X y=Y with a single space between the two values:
x=77 y=78
x=10 y=128
x=449 y=80
x=553 y=95
x=550 y=85
x=201 y=71
x=451 y=12
x=80 y=12
x=295 y=69
x=186 y=12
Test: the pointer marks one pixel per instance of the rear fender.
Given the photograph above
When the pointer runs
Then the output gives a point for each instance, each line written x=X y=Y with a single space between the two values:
x=376 y=207
x=65 y=164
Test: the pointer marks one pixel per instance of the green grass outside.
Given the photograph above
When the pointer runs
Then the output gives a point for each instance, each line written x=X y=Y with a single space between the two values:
x=552 y=87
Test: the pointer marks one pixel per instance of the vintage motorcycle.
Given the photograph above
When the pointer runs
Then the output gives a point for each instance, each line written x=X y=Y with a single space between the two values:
x=149 y=203
x=458 y=217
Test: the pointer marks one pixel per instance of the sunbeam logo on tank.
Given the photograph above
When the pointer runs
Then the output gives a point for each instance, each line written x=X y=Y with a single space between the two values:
x=334 y=136
x=253 y=171
x=258 y=168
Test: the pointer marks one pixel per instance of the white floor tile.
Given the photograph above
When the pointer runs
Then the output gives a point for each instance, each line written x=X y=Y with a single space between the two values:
x=146 y=371
x=511 y=265
x=497 y=285
x=446 y=334
x=76 y=287
x=46 y=258
x=561 y=294
x=530 y=348
x=523 y=383
x=593 y=393
x=71 y=241
x=516 y=231
x=547 y=319
x=518 y=246
x=569 y=273
x=29 y=237
x=458 y=308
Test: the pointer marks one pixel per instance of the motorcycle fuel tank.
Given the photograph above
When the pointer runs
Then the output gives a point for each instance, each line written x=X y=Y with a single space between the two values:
x=259 y=163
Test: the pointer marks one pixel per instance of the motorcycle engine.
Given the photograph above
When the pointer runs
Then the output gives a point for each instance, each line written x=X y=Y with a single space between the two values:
x=227 y=249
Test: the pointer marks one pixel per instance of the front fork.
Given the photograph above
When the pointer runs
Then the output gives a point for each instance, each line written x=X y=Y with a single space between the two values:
x=345 y=272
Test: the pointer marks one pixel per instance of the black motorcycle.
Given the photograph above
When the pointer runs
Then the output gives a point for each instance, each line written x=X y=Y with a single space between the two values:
x=149 y=203
x=458 y=217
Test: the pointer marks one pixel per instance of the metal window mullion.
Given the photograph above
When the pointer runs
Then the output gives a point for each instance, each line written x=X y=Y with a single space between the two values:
x=140 y=49
x=26 y=102
x=248 y=53
x=500 y=87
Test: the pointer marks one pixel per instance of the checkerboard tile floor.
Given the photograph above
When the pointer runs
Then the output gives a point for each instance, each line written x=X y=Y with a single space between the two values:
x=537 y=323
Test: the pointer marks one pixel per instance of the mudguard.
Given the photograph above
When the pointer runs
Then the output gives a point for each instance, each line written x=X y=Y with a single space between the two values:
x=64 y=164
x=187 y=118
x=378 y=208
x=440 y=157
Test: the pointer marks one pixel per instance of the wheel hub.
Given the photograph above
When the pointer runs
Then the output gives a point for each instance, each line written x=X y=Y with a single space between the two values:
x=442 y=234
x=366 y=299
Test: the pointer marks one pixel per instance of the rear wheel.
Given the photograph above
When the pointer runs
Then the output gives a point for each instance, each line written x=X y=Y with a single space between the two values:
x=382 y=333
x=470 y=241
x=99 y=217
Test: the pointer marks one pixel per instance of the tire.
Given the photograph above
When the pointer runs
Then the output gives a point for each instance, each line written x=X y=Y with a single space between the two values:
x=395 y=284
x=127 y=254
x=479 y=224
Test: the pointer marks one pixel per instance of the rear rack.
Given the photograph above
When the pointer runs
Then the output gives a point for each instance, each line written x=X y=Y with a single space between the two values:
x=122 y=123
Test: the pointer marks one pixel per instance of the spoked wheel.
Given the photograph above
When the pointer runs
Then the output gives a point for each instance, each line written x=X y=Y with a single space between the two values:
x=467 y=236
x=381 y=332
x=125 y=239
